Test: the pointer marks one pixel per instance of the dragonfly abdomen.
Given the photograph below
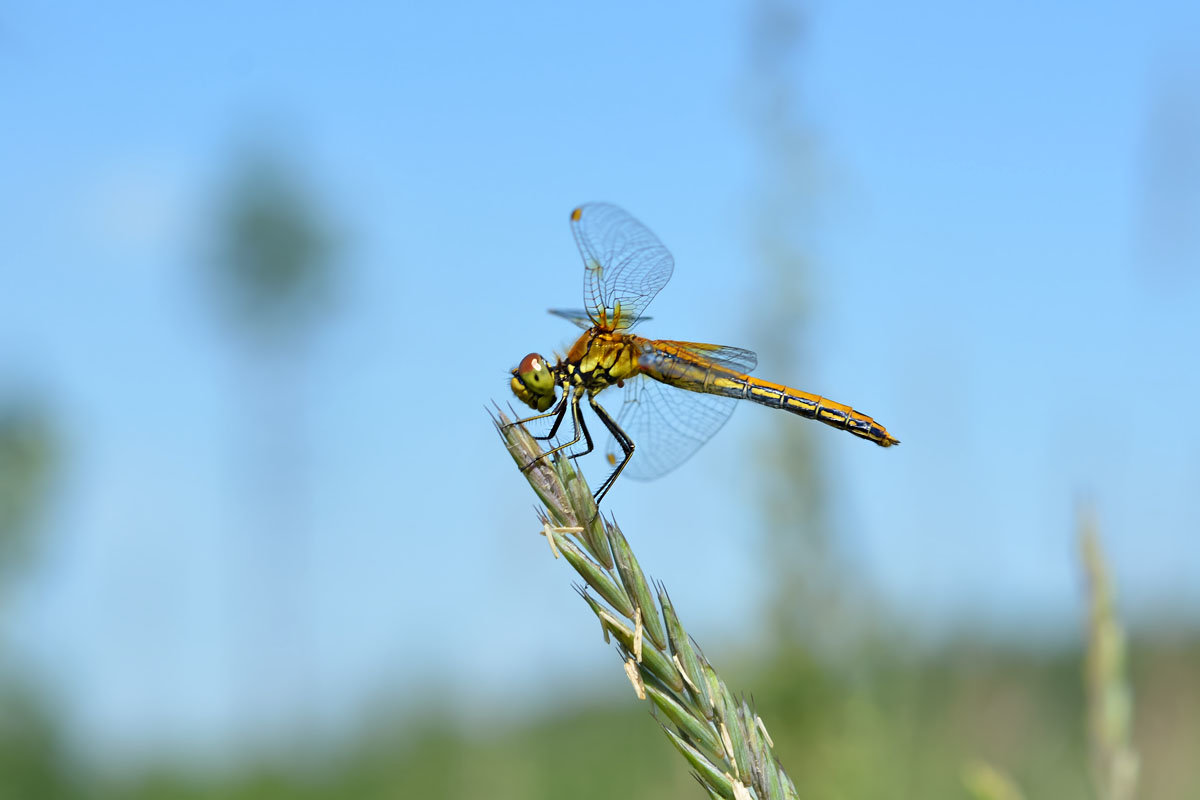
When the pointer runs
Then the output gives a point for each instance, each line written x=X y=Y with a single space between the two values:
x=678 y=370
x=815 y=407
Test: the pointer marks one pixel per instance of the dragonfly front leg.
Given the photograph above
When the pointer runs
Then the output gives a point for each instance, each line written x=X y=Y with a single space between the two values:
x=622 y=439
x=577 y=423
x=558 y=411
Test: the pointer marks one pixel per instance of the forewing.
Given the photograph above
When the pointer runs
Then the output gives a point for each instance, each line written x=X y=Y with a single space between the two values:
x=625 y=265
x=667 y=425
x=576 y=315
x=579 y=316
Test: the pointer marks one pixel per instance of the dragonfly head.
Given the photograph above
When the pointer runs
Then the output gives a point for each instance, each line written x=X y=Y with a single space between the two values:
x=533 y=382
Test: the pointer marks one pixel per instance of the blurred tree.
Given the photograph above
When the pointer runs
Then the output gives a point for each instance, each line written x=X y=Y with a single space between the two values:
x=274 y=278
x=33 y=758
x=27 y=458
x=274 y=266
x=33 y=761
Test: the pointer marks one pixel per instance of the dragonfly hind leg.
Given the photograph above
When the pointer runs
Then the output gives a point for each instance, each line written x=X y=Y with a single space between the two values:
x=587 y=435
x=622 y=439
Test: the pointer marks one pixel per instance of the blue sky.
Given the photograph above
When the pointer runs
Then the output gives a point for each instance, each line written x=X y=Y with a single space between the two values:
x=978 y=230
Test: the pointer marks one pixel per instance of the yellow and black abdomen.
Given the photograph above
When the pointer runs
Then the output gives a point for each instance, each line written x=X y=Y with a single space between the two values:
x=686 y=371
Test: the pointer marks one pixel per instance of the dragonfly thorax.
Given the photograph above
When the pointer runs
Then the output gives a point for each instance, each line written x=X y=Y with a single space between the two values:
x=533 y=382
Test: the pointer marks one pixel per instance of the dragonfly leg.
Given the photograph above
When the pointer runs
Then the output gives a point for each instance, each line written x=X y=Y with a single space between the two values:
x=559 y=410
x=577 y=423
x=587 y=437
x=622 y=439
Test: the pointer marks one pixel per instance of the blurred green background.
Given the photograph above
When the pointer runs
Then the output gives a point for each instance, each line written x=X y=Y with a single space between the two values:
x=264 y=268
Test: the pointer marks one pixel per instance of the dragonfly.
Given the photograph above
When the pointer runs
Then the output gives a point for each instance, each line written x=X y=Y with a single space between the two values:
x=677 y=394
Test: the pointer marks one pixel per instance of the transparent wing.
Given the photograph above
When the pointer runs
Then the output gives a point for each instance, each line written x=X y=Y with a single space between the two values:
x=667 y=425
x=735 y=358
x=576 y=315
x=579 y=316
x=625 y=265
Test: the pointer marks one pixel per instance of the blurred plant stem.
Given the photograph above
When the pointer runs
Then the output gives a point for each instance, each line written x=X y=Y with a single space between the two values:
x=985 y=782
x=721 y=737
x=797 y=552
x=1109 y=700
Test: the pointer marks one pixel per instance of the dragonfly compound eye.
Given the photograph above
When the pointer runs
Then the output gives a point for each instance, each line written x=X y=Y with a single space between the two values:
x=533 y=382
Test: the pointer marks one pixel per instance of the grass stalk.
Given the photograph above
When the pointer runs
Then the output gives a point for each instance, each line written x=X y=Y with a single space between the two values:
x=1109 y=701
x=723 y=740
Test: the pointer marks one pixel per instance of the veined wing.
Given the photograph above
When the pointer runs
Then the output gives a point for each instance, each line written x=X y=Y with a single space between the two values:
x=625 y=265
x=668 y=424
x=579 y=316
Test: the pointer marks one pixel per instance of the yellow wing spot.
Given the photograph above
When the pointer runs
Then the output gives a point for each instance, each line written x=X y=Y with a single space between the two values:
x=612 y=459
x=576 y=214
